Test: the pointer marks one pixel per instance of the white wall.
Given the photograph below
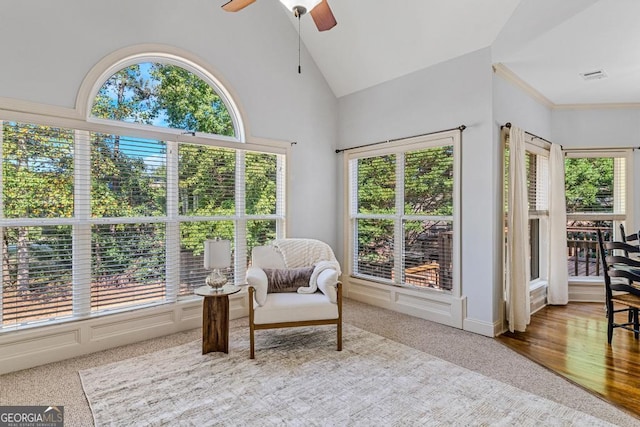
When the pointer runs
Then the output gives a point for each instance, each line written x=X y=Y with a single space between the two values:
x=454 y=93
x=596 y=128
x=51 y=46
x=512 y=104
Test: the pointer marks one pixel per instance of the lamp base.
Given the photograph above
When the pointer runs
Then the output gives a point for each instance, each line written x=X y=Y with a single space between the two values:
x=216 y=280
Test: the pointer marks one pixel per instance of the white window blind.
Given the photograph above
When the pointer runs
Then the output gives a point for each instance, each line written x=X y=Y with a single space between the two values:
x=36 y=273
x=402 y=213
x=264 y=198
x=128 y=176
x=128 y=265
x=97 y=222
x=537 y=182
x=37 y=203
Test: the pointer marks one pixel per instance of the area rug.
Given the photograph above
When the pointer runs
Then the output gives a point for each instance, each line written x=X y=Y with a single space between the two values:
x=299 y=379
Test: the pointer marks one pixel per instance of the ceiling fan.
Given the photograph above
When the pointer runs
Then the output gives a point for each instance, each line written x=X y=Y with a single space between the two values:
x=319 y=10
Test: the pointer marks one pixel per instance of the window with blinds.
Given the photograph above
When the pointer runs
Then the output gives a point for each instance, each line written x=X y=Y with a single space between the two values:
x=94 y=223
x=127 y=265
x=114 y=216
x=537 y=167
x=537 y=176
x=597 y=189
x=402 y=213
x=37 y=205
x=36 y=273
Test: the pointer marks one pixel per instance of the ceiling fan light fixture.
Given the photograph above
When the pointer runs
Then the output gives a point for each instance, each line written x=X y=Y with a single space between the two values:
x=300 y=7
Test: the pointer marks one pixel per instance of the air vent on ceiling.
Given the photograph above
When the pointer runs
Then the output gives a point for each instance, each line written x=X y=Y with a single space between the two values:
x=594 y=75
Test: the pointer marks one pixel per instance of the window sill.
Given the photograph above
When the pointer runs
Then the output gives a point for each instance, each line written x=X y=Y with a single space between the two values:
x=537 y=284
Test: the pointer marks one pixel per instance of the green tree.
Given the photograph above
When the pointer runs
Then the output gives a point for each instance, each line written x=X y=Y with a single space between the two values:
x=207 y=175
x=37 y=183
x=127 y=96
x=589 y=184
x=122 y=185
x=188 y=102
x=428 y=190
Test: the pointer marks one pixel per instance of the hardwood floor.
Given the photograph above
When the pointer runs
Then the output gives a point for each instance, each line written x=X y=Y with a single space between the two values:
x=572 y=341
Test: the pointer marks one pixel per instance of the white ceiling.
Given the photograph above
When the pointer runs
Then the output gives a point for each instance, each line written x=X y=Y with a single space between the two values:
x=546 y=43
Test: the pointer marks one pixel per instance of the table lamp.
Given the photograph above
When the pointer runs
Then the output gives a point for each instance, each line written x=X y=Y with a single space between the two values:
x=217 y=255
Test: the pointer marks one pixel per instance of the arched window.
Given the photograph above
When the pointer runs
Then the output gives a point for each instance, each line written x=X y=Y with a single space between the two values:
x=125 y=201
x=165 y=95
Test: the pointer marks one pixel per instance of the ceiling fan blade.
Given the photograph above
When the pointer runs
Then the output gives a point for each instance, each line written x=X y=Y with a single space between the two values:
x=323 y=17
x=236 y=5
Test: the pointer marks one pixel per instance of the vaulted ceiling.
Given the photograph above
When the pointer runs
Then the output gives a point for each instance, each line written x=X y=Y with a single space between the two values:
x=546 y=43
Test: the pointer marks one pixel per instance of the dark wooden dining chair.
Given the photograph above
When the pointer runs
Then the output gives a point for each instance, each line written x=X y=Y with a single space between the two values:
x=628 y=238
x=627 y=291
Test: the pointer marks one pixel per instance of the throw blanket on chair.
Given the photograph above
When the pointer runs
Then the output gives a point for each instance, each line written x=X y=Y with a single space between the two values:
x=304 y=253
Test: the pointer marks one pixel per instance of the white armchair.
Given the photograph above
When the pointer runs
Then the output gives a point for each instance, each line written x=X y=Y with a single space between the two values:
x=294 y=282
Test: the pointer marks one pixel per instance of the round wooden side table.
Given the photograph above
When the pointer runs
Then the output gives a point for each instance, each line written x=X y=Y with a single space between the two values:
x=215 y=317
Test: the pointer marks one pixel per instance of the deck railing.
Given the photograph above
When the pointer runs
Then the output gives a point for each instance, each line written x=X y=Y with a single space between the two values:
x=583 y=256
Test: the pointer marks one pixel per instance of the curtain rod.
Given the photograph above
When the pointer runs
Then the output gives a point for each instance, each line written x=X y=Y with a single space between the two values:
x=508 y=126
x=460 y=128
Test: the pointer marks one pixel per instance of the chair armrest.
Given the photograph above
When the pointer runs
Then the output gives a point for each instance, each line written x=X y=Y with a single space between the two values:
x=327 y=282
x=257 y=278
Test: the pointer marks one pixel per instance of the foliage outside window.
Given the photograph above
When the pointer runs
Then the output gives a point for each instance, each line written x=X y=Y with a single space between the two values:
x=93 y=222
x=402 y=214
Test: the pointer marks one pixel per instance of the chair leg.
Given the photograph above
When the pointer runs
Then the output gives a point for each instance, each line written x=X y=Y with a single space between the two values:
x=339 y=331
x=636 y=323
x=610 y=319
x=252 y=353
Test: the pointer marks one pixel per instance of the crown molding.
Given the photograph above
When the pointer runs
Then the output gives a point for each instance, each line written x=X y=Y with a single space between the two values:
x=503 y=71
x=603 y=106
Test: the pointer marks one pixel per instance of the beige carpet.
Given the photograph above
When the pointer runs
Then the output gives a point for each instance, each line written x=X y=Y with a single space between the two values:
x=298 y=378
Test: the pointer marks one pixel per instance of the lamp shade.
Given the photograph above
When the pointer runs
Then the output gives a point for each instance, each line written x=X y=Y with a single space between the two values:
x=307 y=4
x=217 y=254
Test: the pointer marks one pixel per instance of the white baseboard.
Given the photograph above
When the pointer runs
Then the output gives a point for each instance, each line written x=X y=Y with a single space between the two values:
x=27 y=348
x=435 y=306
x=586 y=291
x=537 y=298
x=482 y=328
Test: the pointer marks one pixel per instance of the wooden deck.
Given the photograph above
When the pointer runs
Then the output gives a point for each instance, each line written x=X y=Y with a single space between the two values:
x=571 y=340
x=583 y=268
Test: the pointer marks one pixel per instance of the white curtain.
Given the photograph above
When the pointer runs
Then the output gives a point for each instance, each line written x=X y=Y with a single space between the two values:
x=518 y=269
x=558 y=290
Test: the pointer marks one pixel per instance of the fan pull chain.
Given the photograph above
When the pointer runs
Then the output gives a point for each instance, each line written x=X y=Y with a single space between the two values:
x=299 y=36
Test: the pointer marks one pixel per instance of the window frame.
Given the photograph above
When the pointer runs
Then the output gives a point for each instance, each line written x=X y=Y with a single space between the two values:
x=623 y=188
x=81 y=221
x=100 y=74
x=540 y=213
x=440 y=139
